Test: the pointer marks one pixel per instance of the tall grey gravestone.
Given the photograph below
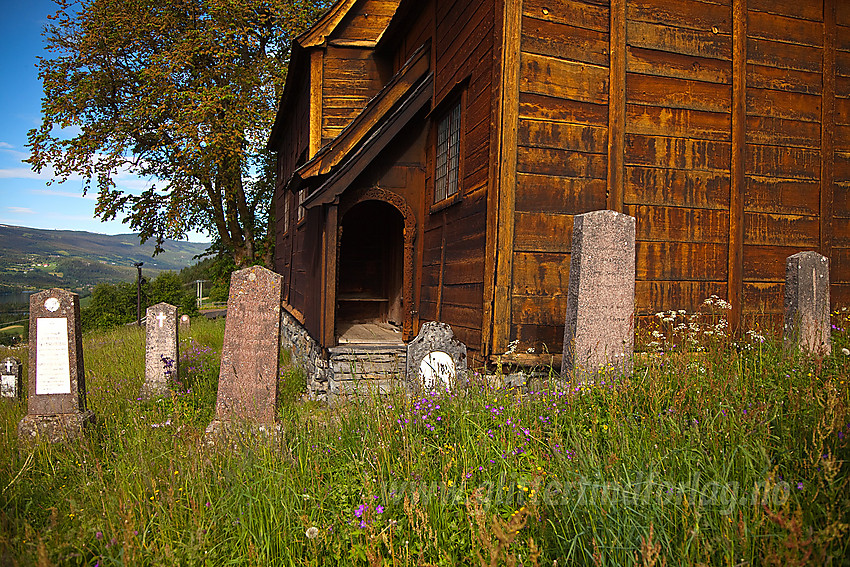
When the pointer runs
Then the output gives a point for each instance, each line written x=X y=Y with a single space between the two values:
x=436 y=360
x=599 y=326
x=807 y=323
x=248 y=380
x=11 y=383
x=161 y=357
x=57 y=388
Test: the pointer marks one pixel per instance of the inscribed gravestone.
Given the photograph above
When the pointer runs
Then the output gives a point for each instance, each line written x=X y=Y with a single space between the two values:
x=436 y=360
x=11 y=385
x=57 y=392
x=807 y=324
x=161 y=357
x=599 y=326
x=248 y=380
x=185 y=322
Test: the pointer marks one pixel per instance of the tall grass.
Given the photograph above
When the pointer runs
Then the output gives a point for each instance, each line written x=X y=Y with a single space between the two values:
x=730 y=453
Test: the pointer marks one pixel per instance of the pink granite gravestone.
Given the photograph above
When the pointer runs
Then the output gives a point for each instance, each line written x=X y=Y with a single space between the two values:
x=57 y=389
x=807 y=325
x=248 y=380
x=161 y=357
x=599 y=326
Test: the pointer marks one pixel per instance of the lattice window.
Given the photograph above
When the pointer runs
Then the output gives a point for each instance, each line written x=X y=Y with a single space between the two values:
x=302 y=195
x=447 y=172
x=287 y=196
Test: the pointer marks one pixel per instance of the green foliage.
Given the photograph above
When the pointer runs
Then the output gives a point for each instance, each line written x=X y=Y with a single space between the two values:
x=729 y=456
x=183 y=92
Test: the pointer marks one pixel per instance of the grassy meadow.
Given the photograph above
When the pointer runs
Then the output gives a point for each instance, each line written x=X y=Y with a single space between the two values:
x=715 y=452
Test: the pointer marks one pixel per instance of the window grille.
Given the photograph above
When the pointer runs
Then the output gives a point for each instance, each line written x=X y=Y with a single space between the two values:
x=447 y=171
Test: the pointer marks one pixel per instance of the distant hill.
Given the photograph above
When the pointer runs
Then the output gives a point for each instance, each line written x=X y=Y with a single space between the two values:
x=33 y=258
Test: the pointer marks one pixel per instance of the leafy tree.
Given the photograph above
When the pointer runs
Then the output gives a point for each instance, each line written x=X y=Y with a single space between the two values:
x=182 y=91
x=110 y=306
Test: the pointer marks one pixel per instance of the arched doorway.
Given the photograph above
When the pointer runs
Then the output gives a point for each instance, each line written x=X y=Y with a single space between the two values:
x=370 y=285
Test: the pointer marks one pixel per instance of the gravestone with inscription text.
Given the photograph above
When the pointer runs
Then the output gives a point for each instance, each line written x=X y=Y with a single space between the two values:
x=11 y=379
x=599 y=326
x=436 y=360
x=248 y=380
x=161 y=356
x=807 y=324
x=56 y=402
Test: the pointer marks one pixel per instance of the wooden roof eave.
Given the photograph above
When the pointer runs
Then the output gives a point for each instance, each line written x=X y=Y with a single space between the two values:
x=347 y=172
x=319 y=32
x=416 y=67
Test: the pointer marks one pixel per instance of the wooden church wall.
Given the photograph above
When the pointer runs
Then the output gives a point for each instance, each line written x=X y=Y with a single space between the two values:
x=704 y=119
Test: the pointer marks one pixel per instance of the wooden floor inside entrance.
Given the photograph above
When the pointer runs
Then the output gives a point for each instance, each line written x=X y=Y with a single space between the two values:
x=369 y=333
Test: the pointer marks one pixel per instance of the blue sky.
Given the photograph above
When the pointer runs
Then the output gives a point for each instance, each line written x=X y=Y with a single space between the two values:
x=25 y=197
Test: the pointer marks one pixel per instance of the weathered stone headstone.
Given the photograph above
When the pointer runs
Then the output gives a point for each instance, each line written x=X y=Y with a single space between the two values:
x=599 y=326
x=248 y=381
x=57 y=389
x=11 y=383
x=161 y=357
x=436 y=360
x=185 y=322
x=807 y=323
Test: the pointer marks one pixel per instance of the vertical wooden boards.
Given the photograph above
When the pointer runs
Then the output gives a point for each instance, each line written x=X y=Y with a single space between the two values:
x=617 y=106
x=827 y=143
x=316 y=99
x=350 y=79
x=837 y=16
x=735 y=259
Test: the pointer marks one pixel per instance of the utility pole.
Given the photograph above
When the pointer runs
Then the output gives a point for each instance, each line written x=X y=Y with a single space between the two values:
x=139 y=293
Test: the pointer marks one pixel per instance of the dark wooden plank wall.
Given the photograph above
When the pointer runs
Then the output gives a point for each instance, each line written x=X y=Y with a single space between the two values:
x=452 y=279
x=562 y=138
x=840 y=269
x=350 y=79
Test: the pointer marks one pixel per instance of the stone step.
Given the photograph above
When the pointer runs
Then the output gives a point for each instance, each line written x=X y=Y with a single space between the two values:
x=368 y=362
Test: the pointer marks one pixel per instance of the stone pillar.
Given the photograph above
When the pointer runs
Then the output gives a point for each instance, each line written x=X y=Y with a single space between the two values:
x=57 y=388
x=11 y=383
x=161 y=355
x=599 y=326
x=250 y=357
x=807 y=325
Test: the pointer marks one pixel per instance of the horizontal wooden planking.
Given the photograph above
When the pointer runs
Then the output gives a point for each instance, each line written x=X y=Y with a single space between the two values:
x=803 y=9
x=688 y=14
x=781 y=132
x=839 y=295
x=784 y=55
x=661 y=121
x=680 y=261
x=841 y=232
x=572 y=12
x=763 y=77
x=782 y=162
x=540 y=273
x=563 y=79
x=654 y=296
x=779 y=104
x=538 y=107
x=841 y=199
x=767 y=263
x=839 y=267
x=763 y=25
x=463 y=272
x=564 y=41
x=557 y=135
x=842 y=86
x=664 y=64
x=842 y=13
x=770 y=195
x=677 y=187
x=679 y=224
x=564 y=163
x=470 y=337
x=573 y=195
x=461 y=315
x=468 y=248
x=763 y=297
x=678 y=93
x=464 y=294
x=771 y=229
x=842 y=137
x=696 y=42
x=842 y=111
x=542 y=232
x=427 y=310
x=676 y=153
x=842 y=63
x=366 y=21
x=842 y=166
x=538 y=310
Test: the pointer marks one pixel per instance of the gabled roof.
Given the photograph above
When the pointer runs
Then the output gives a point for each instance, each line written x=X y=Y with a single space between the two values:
x=321 y=30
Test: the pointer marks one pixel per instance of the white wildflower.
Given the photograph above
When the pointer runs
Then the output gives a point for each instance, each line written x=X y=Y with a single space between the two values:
x=845 y=352
x=312 y=532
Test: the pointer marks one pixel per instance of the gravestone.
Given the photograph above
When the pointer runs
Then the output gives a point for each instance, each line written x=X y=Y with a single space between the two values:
x=807 y=324
x=185 y=322
x=11 y=383
x=56 y=402
x=599 y=326
x=161 y=356
x=248 y=381
x=436 y=360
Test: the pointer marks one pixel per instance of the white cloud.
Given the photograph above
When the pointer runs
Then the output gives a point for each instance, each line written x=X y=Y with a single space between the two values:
x=69 y=194
x=20 y=210
x=6 y=146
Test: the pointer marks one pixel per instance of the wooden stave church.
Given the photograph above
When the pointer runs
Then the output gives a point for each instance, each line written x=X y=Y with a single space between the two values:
x=711 y=136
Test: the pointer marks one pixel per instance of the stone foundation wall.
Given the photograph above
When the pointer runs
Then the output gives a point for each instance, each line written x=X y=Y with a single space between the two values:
x=306 y=354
